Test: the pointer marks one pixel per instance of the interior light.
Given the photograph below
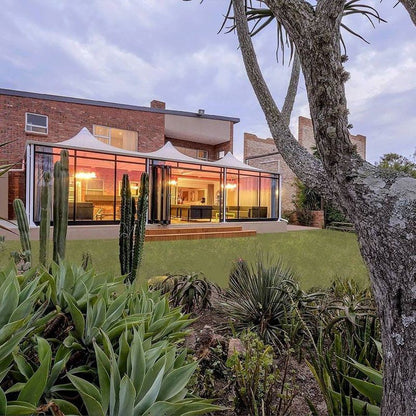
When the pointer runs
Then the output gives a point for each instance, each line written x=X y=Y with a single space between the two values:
x=230 y=186
x=85 y=175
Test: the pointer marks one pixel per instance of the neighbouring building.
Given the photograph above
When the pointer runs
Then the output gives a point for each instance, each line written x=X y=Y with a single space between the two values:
x=263 y=154
x=193 y=175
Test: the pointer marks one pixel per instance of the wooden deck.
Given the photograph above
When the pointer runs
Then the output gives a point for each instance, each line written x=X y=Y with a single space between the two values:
x=197 y=233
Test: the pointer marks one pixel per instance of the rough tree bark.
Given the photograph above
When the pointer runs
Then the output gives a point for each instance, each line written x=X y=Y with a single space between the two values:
x=381 y=205
x=292 y=90
x=410 y=6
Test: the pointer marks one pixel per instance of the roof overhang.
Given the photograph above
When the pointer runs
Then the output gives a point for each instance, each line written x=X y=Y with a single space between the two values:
x=198 y=129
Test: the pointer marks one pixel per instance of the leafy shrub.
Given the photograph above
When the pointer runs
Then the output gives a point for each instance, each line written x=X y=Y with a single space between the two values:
x=191 y=291
x=261 y=297
x=333 y=215
x=304 y=217
x=260 y=388
x=347 y=330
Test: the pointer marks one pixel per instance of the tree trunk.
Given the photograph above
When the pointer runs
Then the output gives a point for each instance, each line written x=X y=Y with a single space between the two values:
x=410 y=6
x=392 y=263
x=381 y=205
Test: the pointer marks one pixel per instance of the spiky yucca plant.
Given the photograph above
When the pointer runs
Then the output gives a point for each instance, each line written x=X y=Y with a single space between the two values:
x=260 y=298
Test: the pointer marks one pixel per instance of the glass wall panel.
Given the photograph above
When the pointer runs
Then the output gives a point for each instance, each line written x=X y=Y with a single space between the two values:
x=134 y=170
x=231 y=195
x=266 y=195
x=94 y=189
x=43 y=163
x=195 y=195
x=249 y=197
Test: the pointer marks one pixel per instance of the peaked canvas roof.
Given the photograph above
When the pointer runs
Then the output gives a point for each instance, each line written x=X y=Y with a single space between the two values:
x=230 y=161
x=169 y=152
x=86 y=141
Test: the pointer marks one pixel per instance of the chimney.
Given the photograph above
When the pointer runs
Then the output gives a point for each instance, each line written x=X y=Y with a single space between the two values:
x=158 y=104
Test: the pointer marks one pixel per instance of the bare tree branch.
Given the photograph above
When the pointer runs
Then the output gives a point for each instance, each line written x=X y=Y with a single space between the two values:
x=292 y=90
x=307 y=167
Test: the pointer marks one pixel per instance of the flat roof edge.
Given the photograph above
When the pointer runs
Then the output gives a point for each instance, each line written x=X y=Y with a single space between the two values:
x=85 y=101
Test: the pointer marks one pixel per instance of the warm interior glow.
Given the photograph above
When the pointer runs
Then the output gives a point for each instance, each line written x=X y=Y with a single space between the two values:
x=173 y=182
x=85 y=175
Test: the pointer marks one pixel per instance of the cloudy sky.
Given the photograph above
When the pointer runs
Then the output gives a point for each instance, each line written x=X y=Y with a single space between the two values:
x=133 y=51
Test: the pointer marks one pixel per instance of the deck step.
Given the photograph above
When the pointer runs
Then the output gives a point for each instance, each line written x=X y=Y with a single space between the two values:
x=190 y=230
x=201 y=235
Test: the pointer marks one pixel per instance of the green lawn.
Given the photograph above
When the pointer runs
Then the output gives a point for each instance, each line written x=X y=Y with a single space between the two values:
x=316 y=257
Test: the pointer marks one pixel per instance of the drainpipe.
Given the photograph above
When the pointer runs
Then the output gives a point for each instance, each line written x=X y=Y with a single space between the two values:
x=224 y=196
x=29 y=184
x=147 y=170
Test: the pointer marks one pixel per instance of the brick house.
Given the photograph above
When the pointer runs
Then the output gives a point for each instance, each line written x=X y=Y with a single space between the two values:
x=50 y=118
x=193 y=175
x=263 y=154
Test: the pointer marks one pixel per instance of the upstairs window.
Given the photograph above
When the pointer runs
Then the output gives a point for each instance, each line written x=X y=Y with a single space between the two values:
x=36 y=123
x=202 y=154
x=195 y=153
x=124 y=139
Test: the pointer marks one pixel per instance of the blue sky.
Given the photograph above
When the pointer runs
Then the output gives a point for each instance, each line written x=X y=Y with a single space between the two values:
x=133 y=51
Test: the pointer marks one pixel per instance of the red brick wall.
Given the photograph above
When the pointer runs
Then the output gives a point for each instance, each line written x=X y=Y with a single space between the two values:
x=255 y=146
x=67 y=119
x=16 y=190
x=306 y=137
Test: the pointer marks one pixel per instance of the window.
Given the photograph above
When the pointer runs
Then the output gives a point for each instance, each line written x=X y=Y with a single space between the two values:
x=202 y=154
x=196 y=153
x=36 y=123
x=124 y=139
x=221 y=154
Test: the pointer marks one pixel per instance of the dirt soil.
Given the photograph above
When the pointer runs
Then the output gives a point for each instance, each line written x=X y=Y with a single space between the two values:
x=212 y=327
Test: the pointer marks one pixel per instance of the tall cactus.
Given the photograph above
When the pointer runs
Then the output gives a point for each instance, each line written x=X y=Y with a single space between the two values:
x=45 y=219
x=23 y=226
x=60 y=206
x=126 y=226
x=140 y=231
x=132 y=231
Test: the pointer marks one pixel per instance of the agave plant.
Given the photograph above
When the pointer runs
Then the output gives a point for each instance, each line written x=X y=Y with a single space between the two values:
x=36 y=387
x=141 y=379
x=18 y=317
x=80 y=284
x=191 y=291
x=161 y=320
x=104 y=314
x=261 y=297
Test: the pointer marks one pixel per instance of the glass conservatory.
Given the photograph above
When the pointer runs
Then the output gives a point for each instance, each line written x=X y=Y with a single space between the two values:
x=182 y=189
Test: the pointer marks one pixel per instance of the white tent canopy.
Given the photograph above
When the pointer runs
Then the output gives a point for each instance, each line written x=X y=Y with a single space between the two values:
x=86 y=141
x=230 y=161
x=169 y=152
